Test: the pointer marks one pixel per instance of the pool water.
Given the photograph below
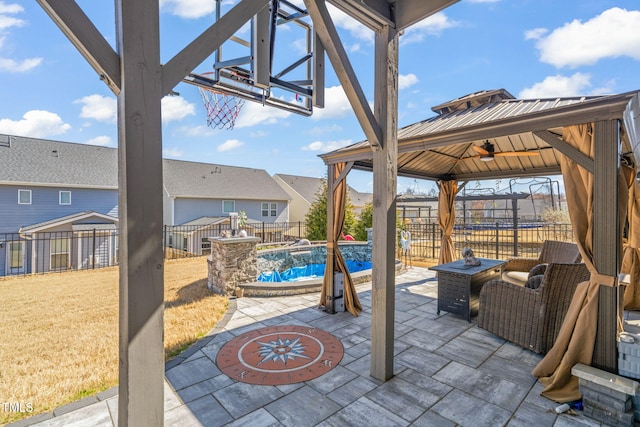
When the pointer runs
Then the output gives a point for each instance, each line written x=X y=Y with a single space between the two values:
x=308 y=272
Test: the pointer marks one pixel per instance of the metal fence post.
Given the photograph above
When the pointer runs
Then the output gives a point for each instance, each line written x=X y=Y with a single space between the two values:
x=93 y=258
x=497 y=240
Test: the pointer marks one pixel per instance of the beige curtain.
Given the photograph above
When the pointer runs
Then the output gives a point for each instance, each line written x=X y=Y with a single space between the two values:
x=351 y=301
x=577 y=335
x=631 y=251
x=446 y=219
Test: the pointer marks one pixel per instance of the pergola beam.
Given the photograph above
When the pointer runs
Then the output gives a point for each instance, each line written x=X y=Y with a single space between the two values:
x=330 y=39
x=81 y=32
x=373 y=14
x=573 y=153
x=409 y=12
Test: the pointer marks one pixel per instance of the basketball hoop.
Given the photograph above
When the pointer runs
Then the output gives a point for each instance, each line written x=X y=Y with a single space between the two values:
x=222 y=109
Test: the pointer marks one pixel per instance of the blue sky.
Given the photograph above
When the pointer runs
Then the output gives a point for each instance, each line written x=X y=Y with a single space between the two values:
x=532 y=48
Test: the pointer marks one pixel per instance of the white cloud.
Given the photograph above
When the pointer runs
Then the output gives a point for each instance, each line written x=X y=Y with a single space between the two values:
x=406 y=80
x=321 y=130
x=229 y=145
x=189 y=8
x=433 y=25
x=176 y=108
x=35 y=124
x=326 y=146
x=557 y=86
x=98 y=107
x=195 y=131
x=611 y=34
x=356 y=29
x=104 y=141
x=14 y=66
x=10 y=8
x=535 y=34
x=336 y=105
x=253 y=113
x=9 y=21
x=172 y=152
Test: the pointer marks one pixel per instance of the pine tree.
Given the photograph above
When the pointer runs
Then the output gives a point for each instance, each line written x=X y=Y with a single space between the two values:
x=316 y=219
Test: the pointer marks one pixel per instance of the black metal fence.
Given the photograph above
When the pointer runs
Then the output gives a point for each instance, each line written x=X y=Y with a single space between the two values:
x=488 y=240
x=99 y=247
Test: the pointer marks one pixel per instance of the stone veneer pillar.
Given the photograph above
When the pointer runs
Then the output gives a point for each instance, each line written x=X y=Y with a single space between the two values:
x=233 y=261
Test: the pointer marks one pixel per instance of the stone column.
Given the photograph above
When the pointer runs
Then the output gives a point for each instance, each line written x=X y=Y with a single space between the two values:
x=233 y=261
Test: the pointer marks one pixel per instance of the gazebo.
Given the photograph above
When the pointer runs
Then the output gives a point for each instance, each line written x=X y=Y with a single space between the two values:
x=591 y=141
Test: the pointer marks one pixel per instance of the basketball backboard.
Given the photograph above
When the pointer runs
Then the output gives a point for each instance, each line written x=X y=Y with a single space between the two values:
x=279 y=62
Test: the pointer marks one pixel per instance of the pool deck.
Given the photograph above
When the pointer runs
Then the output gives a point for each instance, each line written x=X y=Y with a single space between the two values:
x=448 y=372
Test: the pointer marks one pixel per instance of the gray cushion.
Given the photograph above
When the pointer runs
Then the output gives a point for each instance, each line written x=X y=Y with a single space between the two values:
x=534 y=281
x=538 y=269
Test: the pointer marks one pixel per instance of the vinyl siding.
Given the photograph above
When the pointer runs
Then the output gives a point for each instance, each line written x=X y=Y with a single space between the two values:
x=186 y=210
x=45 y=205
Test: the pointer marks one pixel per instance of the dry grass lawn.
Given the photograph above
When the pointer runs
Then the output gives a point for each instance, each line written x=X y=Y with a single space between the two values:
x=59 y=332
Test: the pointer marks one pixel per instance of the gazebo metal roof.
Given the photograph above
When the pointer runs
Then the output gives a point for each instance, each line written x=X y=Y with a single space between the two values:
x=440 y=147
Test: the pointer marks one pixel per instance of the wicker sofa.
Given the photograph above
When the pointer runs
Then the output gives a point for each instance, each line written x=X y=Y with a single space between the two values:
x=516 y=270
x=530 y=318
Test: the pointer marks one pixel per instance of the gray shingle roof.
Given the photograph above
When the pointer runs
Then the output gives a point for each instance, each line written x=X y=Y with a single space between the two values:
x=308 y=188
x=191 y=179
x=45 y=162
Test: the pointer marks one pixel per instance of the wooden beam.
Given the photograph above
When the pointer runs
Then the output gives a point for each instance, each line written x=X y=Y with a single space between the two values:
x=81 y=32
x=343 y=175
x=607 y=246
x=329 y=305
x=573 y=153
x=328 y=34
x=211 y=39
x=141 y=380
x=373 y=14
x=385 y=183
x=409 y=12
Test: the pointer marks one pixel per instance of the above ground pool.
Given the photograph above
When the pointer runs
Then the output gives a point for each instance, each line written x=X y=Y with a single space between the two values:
x=301 y=263
x=308 y=272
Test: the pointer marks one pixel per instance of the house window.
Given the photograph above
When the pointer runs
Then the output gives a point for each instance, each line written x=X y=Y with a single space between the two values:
x=24 y=197
x=59 y=254
x=269 y=209
x=228 y=206
x=64 y=197
x=206 y=246
x=15 y=255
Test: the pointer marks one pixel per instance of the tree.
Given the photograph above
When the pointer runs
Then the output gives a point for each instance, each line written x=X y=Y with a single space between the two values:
x=316 y=218
x=365 y=221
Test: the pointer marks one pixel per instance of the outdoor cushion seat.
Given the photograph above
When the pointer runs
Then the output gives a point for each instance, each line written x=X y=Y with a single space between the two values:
x=530 y=318
x=517 y=270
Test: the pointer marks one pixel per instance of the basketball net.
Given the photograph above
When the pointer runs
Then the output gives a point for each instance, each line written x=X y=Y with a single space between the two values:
x=222 y=109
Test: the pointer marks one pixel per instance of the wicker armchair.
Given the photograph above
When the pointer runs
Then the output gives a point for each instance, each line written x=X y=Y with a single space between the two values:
x=530 y=318
x=516 y=270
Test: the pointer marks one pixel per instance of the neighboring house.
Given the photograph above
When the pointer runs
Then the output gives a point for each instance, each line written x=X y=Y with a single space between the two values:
x=304 y=191
x=59 y=203
x=193 y=190
x=51 y=189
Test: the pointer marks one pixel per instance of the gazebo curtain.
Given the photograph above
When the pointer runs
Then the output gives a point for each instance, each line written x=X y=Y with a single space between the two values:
x=351 y=301
x=631 y=250
x=446 y=218
x=577 y=335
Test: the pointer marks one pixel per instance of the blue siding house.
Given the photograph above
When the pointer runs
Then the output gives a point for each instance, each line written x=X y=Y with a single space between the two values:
x=59 y=203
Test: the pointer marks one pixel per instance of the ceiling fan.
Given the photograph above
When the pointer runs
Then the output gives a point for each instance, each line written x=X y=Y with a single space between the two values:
x=487 y=153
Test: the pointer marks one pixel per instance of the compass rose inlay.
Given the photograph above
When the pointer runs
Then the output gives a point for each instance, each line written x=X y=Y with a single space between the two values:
x=279 y=355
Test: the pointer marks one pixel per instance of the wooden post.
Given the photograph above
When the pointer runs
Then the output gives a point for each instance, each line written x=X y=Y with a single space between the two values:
x=141 y=388
x=607 y=252
x=385 y=174
x=328 y=270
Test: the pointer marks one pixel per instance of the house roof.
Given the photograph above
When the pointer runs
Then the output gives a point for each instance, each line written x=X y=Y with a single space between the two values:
x=442 y=147
x=35 y=161
x=203 y=180
x=78 y=216
x=44 y=162
x=309 y=187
